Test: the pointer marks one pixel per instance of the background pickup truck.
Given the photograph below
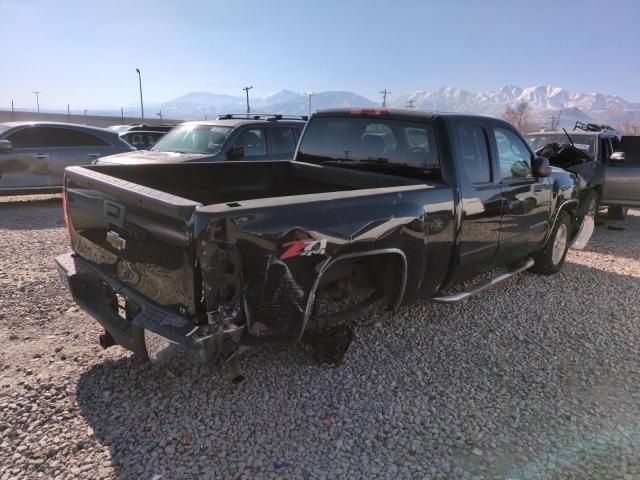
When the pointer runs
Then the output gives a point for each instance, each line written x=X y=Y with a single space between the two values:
x=376 y=203
x=609 y=164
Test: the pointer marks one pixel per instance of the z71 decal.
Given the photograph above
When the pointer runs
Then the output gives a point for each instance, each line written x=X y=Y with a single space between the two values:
x=304 y=248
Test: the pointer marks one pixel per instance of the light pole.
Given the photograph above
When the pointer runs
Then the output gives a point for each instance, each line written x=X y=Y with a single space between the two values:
x=141 y=103
x=246 y=89
x=37 y=100
x=85 y=117
x=309 y=95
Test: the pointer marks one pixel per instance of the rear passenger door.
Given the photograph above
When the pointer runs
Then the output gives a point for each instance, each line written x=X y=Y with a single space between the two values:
x=526 y=200
x=68 y=147
x=283 y=140
x=481 y=198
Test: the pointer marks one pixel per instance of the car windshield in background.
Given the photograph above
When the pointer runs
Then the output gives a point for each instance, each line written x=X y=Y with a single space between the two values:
x=586 y=143
x=372 y=140
x=193 y=139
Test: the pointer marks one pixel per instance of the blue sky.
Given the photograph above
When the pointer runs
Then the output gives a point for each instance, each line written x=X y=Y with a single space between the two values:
x=86 y=52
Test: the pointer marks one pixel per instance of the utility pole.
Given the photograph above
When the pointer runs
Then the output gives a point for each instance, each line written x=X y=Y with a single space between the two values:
x=141 y=103
x=559 y=115
x=122 y=114
x=160 y=115
x=13 y=113
x=85 y=117
x=246 y=89
x=384 y=94
x=68 y=113
x=410 y=103
x=553 y=119
x=309 y=95
x=37 y=100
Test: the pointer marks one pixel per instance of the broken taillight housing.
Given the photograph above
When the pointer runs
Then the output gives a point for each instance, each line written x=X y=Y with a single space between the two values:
x=66 y=212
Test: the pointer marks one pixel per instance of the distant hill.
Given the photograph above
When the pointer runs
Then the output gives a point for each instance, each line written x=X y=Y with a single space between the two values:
x=545 y=101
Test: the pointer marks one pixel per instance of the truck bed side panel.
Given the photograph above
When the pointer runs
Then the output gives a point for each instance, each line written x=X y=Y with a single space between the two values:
x=280 y=249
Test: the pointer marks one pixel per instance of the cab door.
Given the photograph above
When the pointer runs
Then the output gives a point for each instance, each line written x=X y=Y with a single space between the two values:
x=481 y=200
x=621 y=178
x=526 y=200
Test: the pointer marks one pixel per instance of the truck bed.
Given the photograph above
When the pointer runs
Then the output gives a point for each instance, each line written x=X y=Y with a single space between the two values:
x=213 y=183
x=154 y=229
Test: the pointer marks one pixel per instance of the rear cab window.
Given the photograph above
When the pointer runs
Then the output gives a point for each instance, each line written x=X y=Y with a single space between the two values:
x=354 y=140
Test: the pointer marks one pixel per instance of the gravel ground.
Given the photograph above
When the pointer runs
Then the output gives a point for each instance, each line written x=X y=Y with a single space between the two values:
x=536 y=378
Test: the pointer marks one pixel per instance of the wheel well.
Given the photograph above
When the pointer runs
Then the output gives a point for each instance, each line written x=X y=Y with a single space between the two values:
x=384 y=272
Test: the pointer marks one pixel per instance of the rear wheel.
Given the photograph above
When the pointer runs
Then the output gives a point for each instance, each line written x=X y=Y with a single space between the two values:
x=550 y=259
x=617 y=213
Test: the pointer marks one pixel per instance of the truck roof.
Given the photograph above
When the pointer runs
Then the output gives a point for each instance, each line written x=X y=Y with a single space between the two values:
x=233 y=122
x=577 y=133
x=399 y=113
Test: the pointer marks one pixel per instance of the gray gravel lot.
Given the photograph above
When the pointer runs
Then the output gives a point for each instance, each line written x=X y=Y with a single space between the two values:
x=536 y=378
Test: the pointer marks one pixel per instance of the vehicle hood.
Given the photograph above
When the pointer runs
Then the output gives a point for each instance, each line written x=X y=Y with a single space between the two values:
x=149 y=156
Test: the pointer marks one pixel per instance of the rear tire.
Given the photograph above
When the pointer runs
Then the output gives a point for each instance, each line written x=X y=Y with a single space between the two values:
x=550 y=259
x=617 y=213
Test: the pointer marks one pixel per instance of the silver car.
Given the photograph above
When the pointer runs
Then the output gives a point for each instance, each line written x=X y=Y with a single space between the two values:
x=33 y=155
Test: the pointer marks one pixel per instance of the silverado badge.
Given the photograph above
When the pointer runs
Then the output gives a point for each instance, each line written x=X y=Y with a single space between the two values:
x=116 y=241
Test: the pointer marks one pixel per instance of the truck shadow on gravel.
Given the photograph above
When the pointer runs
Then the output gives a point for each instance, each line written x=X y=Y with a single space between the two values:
x=522 y=380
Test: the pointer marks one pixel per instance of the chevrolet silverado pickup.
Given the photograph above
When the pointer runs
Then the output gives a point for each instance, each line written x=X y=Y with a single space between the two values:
x=386 y=205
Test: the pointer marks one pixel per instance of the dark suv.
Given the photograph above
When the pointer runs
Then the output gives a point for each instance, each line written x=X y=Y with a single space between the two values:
x=230 y=137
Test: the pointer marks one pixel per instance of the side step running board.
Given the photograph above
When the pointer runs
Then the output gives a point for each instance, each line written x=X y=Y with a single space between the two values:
x=478 y=287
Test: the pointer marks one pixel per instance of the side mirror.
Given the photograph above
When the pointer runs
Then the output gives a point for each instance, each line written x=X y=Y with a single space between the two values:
x=5 y=146
x=235 y=153
x=541 y=167
x=617 y=157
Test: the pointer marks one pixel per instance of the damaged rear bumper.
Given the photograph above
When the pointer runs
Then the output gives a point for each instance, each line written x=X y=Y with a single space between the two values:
x=94 y=291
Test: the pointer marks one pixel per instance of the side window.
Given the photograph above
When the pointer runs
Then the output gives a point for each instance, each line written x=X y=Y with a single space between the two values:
x=23 y=138
x=513 y=156
x=253 y=142
x=284 y=140
x=66 y=137
x=43 y=137
x=421 y=145
x=606 y=149
x=475 y=153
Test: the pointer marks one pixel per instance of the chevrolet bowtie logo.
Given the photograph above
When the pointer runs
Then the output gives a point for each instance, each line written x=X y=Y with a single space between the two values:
x=116 y=241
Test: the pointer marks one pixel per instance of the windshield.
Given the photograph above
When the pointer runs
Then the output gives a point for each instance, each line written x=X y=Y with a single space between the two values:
x=586 y=143
x=370 y=140
x=193 y=139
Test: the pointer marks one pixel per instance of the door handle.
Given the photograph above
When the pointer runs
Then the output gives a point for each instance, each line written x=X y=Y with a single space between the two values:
x=93 y=155
x=41 y=156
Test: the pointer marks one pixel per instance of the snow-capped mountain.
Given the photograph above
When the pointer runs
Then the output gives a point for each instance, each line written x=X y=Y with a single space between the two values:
x=544 y=100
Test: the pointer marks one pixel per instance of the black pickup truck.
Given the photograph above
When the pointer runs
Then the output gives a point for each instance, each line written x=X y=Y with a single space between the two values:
x=376 y=204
